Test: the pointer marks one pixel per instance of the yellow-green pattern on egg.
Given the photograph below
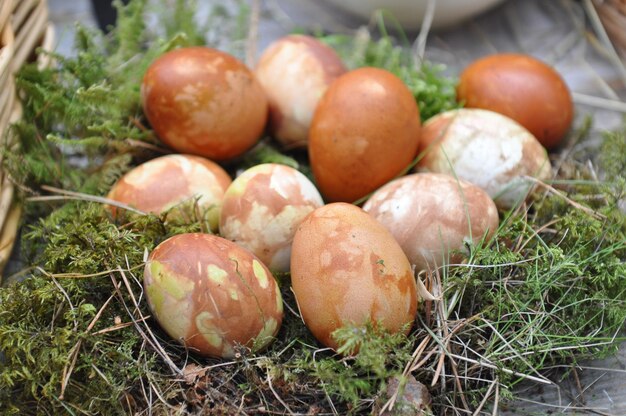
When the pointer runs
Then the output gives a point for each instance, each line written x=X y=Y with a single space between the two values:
x=212 y=295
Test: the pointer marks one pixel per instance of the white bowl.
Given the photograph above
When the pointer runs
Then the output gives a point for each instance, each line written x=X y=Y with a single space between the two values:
x=409 y=13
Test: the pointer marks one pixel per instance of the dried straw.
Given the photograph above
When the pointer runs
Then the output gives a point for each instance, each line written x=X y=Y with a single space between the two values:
x=612 y=14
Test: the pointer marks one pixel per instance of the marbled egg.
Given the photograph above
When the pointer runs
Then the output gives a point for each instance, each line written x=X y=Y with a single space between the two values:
x=487 y=149
x=167 y=181
x=212 y=295
x=295 y=71
x=205 y=102
x=433 y=215
x=348 y=270
x=262 y=209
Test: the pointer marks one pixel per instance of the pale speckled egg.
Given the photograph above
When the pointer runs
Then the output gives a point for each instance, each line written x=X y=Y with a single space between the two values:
x=433 y=215
x=212 y=295
x=365 y=131
x=167 y=181
x=262 y=209
x=205 y=102
x=295 y=71
x=348 y=270
x=487 y=149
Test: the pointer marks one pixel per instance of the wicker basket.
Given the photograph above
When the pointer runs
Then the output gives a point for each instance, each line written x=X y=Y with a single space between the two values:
x=23 y=28
x=612 y=13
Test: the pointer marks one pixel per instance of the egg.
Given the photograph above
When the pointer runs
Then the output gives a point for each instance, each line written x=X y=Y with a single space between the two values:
x=364 y=132
x=262 y=209
x=487 y=149
x=204 y=102
x=348 y=270
x=295 y=71
x=212 y=295
x=432 y=216
x=522 y=88
x=168 y=181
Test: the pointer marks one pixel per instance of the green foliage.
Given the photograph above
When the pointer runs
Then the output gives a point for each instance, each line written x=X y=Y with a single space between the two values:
x=434 y=92
x=375 y=357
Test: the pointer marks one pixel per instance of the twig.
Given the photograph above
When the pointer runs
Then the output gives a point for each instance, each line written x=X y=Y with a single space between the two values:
x=269 y=383
x=599 y=102
x=149 y=337
x=573 y=203
x=599 y=28
x=504 y=370
x=81 y=197
x=486 y=397
x=419 y=46
x=253 y=33
x=69 y=369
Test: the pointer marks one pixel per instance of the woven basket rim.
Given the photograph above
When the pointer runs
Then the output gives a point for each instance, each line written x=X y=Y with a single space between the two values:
x=6 y=49
x=6 y=9
x=7 y=97
x=30 y=35
x=21 y=11
x=47 y=44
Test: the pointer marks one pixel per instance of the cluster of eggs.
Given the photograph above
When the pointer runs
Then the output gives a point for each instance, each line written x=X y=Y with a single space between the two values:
x=362 y=131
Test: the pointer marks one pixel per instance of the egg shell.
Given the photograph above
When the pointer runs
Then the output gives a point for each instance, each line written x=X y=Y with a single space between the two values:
x=433 y=215
x=164 y=182
x=212 y=295
x=365 y=131
x=487 y=149
x=205 y=102
x=295 y=71
x=262 y=209
x=347 y=269
x=523 y=88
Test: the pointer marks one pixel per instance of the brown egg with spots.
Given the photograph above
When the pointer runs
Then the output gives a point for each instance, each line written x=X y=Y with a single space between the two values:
x=295 y=71
x=204 y=102
x=212 y=295
x=174 y=183
x=262 y=209
x=523 y=88
x=487 y=149
x=348 y=270
x=432 y=216
x=365 y=131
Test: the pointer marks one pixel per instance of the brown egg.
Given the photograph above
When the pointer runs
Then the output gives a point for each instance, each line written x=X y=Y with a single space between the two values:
x=165 y=182
x=205 y=102
x=347 y=269
x=432 y=216
x=487 y=149
x=295 y=71
x=262 y=209
x=212 y=295
x=522 y=88
x=365 y=131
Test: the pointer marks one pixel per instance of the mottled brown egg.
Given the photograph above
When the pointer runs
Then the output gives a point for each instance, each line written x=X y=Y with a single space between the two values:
x=205 y=102
x=212 y=295
x=348 y=270
x=160 y=184
x=365 y=131
x=522 y=88
x=433 y=215
x=487 y=149
x=262 y=209
x=295 y=71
